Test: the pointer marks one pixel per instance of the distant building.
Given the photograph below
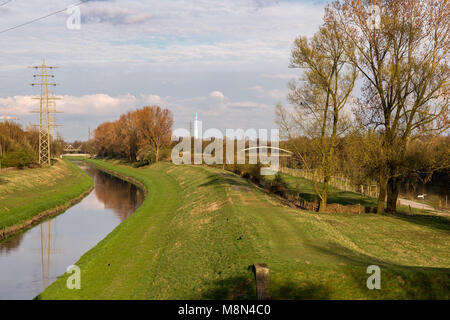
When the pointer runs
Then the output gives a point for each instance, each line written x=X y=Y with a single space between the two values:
x=197 y=127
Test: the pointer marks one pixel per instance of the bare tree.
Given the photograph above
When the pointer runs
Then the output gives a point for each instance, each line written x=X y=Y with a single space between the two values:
x=320 y=96
x=404 y=63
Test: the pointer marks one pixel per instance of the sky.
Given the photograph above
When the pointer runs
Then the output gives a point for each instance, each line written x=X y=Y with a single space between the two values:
x=227 y=60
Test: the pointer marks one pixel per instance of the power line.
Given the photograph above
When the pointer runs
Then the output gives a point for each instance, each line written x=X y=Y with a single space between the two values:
x=43 y=17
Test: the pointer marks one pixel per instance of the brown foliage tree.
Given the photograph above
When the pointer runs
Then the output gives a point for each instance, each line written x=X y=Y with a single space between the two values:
x=154 y=128
x=145 y=130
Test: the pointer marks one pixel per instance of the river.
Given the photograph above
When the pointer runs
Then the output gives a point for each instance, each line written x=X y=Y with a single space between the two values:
x=32 y=260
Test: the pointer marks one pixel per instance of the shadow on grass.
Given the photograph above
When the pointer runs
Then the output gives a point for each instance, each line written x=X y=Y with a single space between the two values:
x=398 y=281
x=233 y=288
x=341 y=197
x=305 y=188
x=432 y=221
x=290 y=290
x=228 y=178
x=242 y=288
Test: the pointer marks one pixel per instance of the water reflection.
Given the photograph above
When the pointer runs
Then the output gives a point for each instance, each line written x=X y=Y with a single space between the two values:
x=29 y=262
x=121 y=197
x=11 y=244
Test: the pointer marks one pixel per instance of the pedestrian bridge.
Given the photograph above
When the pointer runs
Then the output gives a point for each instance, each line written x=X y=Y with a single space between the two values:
x=86 y=155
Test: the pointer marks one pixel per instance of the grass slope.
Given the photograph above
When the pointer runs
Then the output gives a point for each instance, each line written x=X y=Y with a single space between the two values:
x=306 y=190
x=26 y=193
x=200 y=229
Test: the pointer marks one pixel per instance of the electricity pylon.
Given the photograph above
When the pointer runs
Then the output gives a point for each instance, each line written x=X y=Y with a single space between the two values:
x=46 y=110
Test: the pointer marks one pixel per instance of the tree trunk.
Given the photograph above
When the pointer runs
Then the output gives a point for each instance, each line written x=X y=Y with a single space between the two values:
x=382 y=196
x=393 y=188
x=323 y=199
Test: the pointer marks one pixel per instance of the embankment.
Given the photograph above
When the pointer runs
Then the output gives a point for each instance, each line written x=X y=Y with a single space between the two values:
x=200 y=229
x=32 y=195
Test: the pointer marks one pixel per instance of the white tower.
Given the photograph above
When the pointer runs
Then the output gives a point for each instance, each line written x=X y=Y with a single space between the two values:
x=196 y=127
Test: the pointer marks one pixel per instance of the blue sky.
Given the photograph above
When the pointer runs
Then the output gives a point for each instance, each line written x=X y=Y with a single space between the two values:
x=226 y=60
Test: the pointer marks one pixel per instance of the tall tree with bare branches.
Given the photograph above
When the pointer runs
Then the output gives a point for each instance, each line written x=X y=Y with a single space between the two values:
x=404 y=63
x=320 y=96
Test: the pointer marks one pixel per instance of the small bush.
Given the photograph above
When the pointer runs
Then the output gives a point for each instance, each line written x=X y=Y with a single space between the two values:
x=278 y=186
x=142 y=163
x=18 y=159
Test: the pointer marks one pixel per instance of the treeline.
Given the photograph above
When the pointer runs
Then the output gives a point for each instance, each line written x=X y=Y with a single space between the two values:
x=402 y=107
x=141 y=135
x=357 y=157
x=19 y=147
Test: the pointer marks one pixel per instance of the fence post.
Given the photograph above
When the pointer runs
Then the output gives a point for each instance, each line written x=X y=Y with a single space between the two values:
x=262 y=281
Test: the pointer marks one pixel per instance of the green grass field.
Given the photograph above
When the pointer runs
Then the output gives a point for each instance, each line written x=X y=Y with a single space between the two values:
x=200 y=229
x=26 y=193
x=306 y=190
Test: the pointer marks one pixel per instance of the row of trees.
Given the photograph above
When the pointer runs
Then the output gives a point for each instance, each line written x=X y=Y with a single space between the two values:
x=402 y=58
x=19 y=147
x=137 y=135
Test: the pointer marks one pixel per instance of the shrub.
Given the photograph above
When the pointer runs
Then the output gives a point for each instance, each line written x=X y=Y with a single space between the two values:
x=278 y=186
x=147 y=154
x=18 y=159
x=142 y=163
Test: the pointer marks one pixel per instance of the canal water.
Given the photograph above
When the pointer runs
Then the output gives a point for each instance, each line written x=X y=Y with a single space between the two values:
x=31 y=261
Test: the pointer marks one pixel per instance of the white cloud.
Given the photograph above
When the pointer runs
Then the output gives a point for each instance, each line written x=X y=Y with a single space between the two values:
x=258 y=89
x=217 y=95
x=184 y=50
x=243 y=104
x=277 y=94
x=274 y=94
x=18 y=105
x=94 y=104
x=114 y=15
x=282 y=76
x=153 y=99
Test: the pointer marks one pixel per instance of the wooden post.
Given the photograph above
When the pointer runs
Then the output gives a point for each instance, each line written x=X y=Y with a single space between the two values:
x=262 y=281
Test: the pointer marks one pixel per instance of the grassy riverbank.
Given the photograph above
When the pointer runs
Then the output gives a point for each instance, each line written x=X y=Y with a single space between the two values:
x=32 y=194
x=200 y=229
x=305 y=189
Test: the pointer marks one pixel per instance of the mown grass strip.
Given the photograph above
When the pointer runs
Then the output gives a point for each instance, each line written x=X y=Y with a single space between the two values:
x=29 y=196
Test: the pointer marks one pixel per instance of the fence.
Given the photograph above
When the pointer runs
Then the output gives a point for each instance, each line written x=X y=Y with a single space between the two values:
x=340 y=182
